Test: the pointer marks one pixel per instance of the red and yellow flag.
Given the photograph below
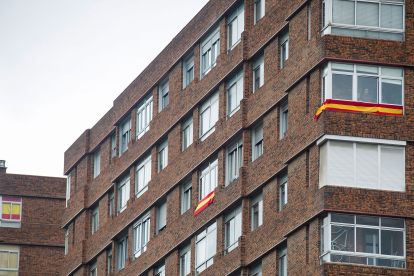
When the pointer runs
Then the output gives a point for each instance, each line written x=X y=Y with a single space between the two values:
x=204 y=203
x=387 y=109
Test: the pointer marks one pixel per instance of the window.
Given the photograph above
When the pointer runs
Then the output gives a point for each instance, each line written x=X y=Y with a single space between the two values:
x=186 y=197
x=124 y=135
x=235 y=26
x=93 y=269
x=209 y=116
x=142 y=176
x=162 y=155
x=9 y=256
x=113 y=146
x=188 y=72
x=210 y=49
x=284 y=49
x=122 y=253
x=365 y=240
x=284 y=112
x=363 y=83
x=111 y=203
x=123 y=194
x=160 y=271
x=66 y=241
x=257 y=141
x=208 y=178
x=259 y=10
x=283 y=191
x=234 y=93
x=257 y=211
x=309 y=21
x=367 y=164
x=96 y=164
x=95 y=219
x=144 y=116
x=185 y=260
x=141 y=235
x=362 y=18
x=164 y=94
x=161 y=217
x=68 y=182
x=283 y=261
x=257 y=270
x=234 y=161
x=258 y=73
x=187 y=133
x=11 y=209
x=109 y=260
x=206 y=243
x=233 y=228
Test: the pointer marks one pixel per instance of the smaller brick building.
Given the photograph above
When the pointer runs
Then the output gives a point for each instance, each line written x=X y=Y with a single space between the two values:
x=31 y=240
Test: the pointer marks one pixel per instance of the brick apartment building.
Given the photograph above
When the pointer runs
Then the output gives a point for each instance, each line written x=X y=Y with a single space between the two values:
x=31 y=239
x=222 y=121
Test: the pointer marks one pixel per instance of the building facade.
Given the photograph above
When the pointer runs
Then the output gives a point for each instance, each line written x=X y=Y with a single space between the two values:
x=31 y=238
x=212 y=161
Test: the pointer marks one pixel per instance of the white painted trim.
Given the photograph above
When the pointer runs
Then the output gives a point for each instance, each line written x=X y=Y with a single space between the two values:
x=326 y=137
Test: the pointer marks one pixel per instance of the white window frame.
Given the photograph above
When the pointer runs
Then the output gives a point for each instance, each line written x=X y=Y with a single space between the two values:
x=209 y=232
x=163 y=155
x=206 y=175
x=8 y=258
x=231 y=227
x=235 y=19
x=261 y=4
x=96 y=163
x=94 y=269
x=283 y=261
x=68 y=183
x=284 y=118
x=283 y=191
x=161 y=211
x=188 y=70
x=122 y=254
x=123 y=187
x=257 y=269
x=258 y=67
x=142 y=230
x=95 y=219
x=124 y=135
x=11 y=223
x=143 y=167
x=66 y=241
x=327 y=244
x=381 y=143
x=256 y=153
x=188 y=126
x=209 y=48
x=164 y=94
x=328 y=82
x=235 y=82
x=257 y=203
x=234 y=161
x=360 y=30
x=185 y=260
x=206 y=109
x=186 y=196
x=284 y=49
x=144 y=116
x=160 y=270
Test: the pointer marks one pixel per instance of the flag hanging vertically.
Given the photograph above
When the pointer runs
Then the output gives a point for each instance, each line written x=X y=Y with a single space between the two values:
x=204 y=203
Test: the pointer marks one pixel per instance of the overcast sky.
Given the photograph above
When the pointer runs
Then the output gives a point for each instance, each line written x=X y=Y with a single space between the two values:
x=63 y=63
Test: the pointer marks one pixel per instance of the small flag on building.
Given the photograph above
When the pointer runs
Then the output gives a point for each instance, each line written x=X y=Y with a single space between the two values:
x=204 y=203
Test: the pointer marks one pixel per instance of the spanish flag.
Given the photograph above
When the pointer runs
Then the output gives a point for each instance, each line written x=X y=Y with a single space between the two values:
x=9 y=209
x=204 y=203
x=387 y=109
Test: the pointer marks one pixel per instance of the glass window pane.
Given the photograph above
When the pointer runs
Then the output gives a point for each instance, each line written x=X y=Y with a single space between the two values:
x=392 y=243
x=343 y=12
x=232 y=98
x=342 y=238
x=367 y=69
x=342 y=67
x=367 y=240
x=205 y=121
x=201 y=252
x=367 y=14
x=4 y=259
x=392 y=16
x=367 y=89
x=364 y=220
x=391 y=91
x=341 y=87
x=342 y=218
x=391 y=222
x=14 y=260
x=211 y=243
x=393 y=72
x=214 y=114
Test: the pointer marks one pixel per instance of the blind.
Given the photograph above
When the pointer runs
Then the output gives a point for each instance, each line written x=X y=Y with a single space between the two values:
x=258 y=135
x=392 y=169
x=366 y=166
x=323 y=165
x=341 y=164
x=162 y=218
x=343 y=12
x=367 y=14
x=392 y=16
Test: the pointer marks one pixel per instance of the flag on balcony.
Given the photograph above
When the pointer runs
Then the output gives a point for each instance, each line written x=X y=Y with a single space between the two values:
x=349 y=106
x=204 y=203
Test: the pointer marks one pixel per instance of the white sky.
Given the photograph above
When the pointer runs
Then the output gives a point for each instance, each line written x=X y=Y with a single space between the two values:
x=63 y=63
